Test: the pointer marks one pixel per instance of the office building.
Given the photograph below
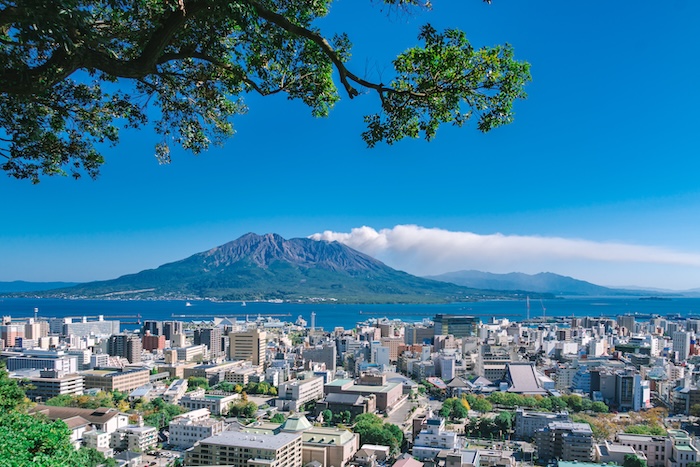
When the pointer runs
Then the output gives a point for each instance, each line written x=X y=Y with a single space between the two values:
x=155 y=328
x=326 y=354
x=528 y=423
x=190 y=427
x=458 y=326
x=125 y=345
x=85 y=328
x=681 y=345
x=248 y=345
x=237 y=449
x=171 y=328
x=116 y=380
x=292 y=395
x=211 y=338
x=566 y=441
x=51 y=383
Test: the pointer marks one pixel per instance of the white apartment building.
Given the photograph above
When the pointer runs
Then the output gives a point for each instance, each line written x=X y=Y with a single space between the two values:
x=134 y=438
x=190 y=427
x=191 y=353
x=97 y=439
x=216 y=404
x=175 y=391
x=294 y=394
x=433 y=439
x=237 y=449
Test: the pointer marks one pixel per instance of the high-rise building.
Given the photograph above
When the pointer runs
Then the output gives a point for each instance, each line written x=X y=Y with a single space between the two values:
x=211 y=337
x=458 y=326
x=627 y=322
x=171 y=328
x=10 y=332
x=125 y=345
x=418 y=334
x=681 y=344
x=152 y=342
x=154 y=327
x=248 y=345
x=326 y=353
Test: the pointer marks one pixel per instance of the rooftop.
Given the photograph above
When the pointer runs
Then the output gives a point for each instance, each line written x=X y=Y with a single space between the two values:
x=247 y=440
x=99 y=416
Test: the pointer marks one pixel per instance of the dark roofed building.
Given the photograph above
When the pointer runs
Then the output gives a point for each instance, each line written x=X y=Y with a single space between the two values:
x=356 y=404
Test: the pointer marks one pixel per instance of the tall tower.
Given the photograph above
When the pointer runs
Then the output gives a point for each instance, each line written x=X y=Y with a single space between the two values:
x=249 y=345
x=211 y=337
x=313 y=321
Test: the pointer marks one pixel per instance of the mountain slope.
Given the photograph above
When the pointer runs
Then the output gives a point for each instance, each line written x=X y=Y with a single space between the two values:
x=263 y=267
x=544 y=282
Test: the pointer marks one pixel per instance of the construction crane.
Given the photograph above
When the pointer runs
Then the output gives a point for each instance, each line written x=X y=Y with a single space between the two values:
x=544 y=311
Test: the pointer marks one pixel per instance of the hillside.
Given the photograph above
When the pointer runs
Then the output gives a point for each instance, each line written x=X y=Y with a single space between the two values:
x=544 y=282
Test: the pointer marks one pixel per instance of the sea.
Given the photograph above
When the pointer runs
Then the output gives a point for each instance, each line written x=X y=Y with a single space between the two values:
x=329 y=315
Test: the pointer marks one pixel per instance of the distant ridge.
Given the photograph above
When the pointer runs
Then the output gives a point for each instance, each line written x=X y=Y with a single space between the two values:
x=544 y=282
x=265 y=267
x=24 y=286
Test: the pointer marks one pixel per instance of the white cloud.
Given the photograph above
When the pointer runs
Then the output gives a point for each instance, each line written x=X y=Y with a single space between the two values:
x=425 y=251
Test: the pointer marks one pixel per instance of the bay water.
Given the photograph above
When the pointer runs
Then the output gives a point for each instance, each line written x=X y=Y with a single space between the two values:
x=330 y=315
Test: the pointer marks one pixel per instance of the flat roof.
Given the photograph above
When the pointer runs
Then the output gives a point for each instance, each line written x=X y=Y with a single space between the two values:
x=339 y=382
x=372 y=389
x=248 y=440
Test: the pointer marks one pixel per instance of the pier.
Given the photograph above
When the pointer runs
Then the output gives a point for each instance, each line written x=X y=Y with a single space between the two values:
x=228 y=314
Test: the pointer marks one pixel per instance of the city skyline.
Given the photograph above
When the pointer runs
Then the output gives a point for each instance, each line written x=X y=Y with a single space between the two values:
x=594 y=179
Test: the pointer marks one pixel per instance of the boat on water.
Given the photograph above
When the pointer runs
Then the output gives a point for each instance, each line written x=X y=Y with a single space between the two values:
x=243 y=304
x=188 y=304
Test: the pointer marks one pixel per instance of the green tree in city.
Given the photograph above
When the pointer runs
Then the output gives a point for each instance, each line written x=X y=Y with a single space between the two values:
x=373 y=430
x=632 y=460
x=194 y=382
x=504 y=422
x=479 y=403
x=695 y=410
x=33 y=440
x=277 y=418
x=599 y=407
x=75 y=71
x=327 y=417
x=159 y=413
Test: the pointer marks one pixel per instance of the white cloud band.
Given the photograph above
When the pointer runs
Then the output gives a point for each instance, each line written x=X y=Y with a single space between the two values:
x=426 y=251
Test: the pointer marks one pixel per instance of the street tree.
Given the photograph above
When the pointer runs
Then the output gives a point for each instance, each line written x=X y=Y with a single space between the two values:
x=75 y=72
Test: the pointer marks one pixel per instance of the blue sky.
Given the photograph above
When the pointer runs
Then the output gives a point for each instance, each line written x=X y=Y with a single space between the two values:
x=602 y=158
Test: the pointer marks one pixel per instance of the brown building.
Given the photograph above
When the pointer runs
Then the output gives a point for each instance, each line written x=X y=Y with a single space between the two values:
x=151 y=342
x=329 y=446
x=356 y=404
x=387 y=394
x=116 y=380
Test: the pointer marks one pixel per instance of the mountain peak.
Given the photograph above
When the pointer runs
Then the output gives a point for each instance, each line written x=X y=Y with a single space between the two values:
x=261 y=267
x=263 y=250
